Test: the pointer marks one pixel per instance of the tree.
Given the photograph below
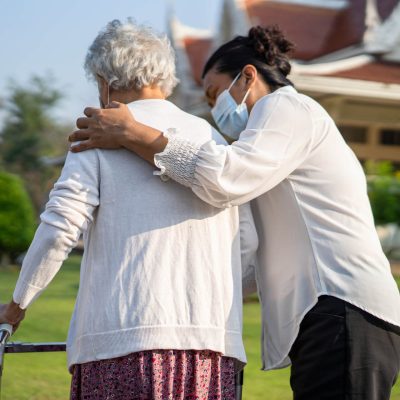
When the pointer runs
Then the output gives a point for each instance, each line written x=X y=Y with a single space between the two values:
x=17 y=219
x=384 y=192
x=29 y=133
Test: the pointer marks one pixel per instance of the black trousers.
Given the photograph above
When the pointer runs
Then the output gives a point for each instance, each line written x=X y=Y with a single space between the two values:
x=344 y=353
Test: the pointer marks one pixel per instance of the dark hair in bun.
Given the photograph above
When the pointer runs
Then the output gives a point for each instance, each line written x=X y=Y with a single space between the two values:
x=265 y=48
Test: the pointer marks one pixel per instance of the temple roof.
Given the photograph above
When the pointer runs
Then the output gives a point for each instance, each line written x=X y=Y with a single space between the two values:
x=315 y=30
x=197 y=50
x=323 y=31
x=385 y=72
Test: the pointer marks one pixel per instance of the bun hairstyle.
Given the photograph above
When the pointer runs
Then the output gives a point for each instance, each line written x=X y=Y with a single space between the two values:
x=265 y=48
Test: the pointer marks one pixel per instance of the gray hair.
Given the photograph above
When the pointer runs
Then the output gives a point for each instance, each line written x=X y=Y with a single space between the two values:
x=130 y=56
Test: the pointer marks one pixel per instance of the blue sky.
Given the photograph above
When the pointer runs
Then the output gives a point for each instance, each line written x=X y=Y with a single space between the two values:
x=51 y=37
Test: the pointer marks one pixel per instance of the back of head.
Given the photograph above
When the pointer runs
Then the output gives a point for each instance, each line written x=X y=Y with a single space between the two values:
x=130 y=56
x=265 y=48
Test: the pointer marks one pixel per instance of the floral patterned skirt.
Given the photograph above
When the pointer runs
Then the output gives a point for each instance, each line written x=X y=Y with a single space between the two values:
x=156 y=375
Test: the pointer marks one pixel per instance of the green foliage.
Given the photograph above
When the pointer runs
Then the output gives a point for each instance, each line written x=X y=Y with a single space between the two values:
x=27 y=119
x=17 y=221
x=384 y=192
x=31 y=132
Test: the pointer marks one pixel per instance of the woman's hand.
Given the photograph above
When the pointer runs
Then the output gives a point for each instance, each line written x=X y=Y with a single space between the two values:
x=11 y=314
x=115 y=127
x=102 y=128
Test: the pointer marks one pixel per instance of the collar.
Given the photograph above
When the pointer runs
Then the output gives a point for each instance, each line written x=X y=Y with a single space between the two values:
x=288 y=88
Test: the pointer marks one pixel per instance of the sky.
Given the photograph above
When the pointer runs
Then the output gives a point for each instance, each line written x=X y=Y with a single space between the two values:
x=50 y=38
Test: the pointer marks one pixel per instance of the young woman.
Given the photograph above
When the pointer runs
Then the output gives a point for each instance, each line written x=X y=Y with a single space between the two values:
x=330 y=305
x=159 y=309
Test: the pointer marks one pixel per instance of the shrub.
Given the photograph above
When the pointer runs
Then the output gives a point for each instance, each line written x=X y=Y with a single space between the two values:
x=17 y=221
x=384 y=192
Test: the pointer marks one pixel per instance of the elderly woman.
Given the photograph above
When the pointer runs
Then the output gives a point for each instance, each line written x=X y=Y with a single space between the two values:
x=158 y=312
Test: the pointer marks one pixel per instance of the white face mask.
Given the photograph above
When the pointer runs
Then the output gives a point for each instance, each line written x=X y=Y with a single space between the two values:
x=230 y=117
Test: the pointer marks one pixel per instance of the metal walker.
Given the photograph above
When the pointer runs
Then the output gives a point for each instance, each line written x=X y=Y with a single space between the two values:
x=18 y=347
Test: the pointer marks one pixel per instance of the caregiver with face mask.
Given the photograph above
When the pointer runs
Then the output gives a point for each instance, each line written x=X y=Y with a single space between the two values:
x=330 y=306
x=230 y=117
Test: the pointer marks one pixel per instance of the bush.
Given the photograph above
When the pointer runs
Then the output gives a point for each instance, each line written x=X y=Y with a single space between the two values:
x=17 y=221
x=384 y=192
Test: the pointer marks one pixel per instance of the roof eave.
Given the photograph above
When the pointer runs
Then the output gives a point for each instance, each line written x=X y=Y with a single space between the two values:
x=348 y=87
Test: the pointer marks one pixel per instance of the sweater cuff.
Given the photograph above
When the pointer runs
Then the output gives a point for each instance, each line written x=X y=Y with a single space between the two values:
x=178 y=160
x=25 y=294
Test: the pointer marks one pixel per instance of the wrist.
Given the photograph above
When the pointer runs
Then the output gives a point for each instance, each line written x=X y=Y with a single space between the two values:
x=14 y=312
x=126 y=135
x=137 y=134
x=129 y=134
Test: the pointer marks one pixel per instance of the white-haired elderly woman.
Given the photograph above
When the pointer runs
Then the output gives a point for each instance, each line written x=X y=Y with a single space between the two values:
x=158 y=312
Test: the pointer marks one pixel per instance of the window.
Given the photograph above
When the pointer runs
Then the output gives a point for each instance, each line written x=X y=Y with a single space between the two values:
x=396 y=166
x=353 y=134
x=390 y=137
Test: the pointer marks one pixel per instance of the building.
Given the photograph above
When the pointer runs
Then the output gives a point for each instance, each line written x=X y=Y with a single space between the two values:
x=347 y=57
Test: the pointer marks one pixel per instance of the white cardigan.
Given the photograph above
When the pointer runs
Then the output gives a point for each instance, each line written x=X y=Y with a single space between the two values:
x=312 y=213
x=161 y=268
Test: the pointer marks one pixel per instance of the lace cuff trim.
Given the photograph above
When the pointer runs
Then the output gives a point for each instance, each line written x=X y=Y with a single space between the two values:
x=178 y=160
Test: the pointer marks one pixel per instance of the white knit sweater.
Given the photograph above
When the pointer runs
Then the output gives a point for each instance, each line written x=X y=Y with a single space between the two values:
x=161 y=268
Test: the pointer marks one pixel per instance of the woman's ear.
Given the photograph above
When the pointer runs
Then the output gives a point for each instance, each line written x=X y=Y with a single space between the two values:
x=249 y=72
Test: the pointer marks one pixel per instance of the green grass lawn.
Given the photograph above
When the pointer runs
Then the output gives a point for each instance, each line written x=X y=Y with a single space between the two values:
x=44 y=376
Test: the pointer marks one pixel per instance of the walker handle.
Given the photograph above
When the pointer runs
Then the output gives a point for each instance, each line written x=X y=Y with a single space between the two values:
x=6 y=331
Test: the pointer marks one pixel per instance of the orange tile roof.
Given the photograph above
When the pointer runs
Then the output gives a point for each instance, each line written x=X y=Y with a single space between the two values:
x=197 y=50
x=316 y=31
x=384 y=72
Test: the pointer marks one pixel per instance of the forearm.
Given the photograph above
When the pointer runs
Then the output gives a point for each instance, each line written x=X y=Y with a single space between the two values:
x=219 y=175
x=143 y=140
x=68 y=212
x=43 y=260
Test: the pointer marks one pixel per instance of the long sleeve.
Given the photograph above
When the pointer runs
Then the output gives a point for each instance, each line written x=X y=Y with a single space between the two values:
x=248 y=249
x=277 y=139
x=68 y=212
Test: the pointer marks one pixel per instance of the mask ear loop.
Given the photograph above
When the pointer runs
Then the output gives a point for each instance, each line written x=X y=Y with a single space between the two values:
x=234 y=81
x=246 y=96
x=112 y=80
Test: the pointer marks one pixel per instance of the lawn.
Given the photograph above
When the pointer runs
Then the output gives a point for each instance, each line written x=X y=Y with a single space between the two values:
x=44 y=376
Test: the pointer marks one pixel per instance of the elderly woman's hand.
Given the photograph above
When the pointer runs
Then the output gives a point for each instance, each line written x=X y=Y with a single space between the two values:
x=102 y=128
x=11 y=314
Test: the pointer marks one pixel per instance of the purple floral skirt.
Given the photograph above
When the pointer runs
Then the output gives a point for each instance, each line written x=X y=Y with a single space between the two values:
x=156 y=375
